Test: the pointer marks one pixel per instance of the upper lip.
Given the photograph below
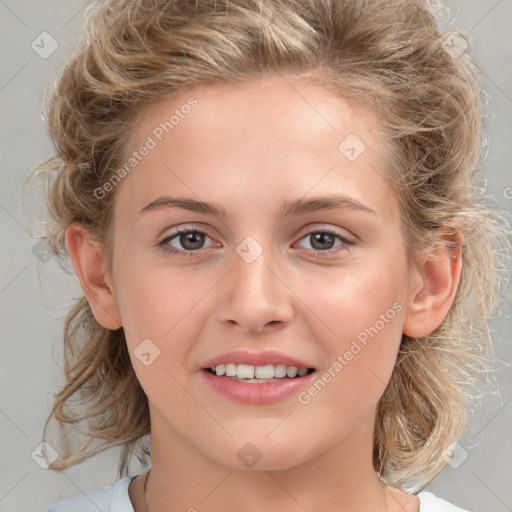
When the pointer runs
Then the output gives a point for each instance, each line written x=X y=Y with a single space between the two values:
x=255 y=358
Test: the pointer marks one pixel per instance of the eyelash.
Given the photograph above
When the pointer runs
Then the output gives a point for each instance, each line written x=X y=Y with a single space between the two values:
x=319 y=254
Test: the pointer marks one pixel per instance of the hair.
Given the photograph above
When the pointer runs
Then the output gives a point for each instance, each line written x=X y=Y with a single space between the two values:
x=386 y=55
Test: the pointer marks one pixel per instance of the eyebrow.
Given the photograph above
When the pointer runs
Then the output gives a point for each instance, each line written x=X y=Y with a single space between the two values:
x=295 y=207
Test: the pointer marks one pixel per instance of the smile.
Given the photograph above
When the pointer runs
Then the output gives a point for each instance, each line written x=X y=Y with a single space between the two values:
x=258 y=374
x=257 y=385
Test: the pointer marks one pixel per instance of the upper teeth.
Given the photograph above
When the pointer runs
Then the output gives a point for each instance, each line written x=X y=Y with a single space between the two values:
x=268 y=371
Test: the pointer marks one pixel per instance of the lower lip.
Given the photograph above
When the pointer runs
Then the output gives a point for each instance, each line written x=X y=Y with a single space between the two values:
x=254 y=393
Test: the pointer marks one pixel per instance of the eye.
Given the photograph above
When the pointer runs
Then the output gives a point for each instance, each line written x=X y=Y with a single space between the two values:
x=322 y=241
x=191 y=240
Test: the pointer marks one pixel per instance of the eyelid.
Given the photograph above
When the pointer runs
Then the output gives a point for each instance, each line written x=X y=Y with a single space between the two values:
x=306 y=231
x=175 y=232
x=338 y=231
x=346 y=243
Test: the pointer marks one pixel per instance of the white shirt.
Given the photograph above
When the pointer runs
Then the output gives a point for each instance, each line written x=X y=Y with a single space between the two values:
x=117 y=499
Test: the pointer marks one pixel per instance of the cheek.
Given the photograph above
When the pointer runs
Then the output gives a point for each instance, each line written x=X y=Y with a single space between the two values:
x=153 y=300
x=349 y=302
x=159 y=318
x=361 y=316
x=166 y=306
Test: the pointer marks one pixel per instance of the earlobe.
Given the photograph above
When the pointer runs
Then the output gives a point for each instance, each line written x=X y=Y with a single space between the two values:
x=88 y=262
x=433 y=287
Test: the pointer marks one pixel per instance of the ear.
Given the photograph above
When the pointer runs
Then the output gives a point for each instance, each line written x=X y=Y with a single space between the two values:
x=434 y=283
x=89 y=264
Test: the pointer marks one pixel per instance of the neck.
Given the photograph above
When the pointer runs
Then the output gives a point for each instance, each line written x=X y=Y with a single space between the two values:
x=341 y=478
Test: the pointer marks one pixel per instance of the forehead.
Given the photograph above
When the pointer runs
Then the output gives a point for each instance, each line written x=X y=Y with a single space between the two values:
x=278 y=134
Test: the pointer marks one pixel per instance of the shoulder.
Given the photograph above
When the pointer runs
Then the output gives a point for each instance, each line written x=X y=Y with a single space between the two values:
x=431 y=503
x=106 y=499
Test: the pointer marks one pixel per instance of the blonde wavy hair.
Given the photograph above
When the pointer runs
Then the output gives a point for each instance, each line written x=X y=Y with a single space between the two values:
x=390 y=55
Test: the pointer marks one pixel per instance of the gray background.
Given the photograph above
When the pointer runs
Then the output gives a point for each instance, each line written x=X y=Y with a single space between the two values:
x=35 y=296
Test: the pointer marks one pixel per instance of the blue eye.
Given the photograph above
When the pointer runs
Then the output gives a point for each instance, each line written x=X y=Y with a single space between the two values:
x=194 y=239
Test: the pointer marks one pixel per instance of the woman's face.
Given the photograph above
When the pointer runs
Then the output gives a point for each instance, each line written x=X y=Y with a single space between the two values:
x=277 y=270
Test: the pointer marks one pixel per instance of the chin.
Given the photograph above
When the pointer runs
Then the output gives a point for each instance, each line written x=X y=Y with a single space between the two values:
x=260 y=454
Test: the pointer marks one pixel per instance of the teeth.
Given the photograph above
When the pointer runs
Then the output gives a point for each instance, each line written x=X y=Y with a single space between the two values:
x=268 y=371
x=220 y=369
x=280 y=370
x=291 y=371
x=231 y=370
x=245 y=371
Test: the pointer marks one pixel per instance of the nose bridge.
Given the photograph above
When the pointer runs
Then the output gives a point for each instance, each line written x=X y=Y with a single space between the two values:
x=257 y=296
x=252 y=262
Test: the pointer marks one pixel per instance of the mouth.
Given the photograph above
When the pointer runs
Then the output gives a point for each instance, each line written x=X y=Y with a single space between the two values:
x=252 y=374
x=257 y=385
x=257 y=377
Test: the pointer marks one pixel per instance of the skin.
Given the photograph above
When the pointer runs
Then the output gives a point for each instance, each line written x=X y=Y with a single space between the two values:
x=250 y=147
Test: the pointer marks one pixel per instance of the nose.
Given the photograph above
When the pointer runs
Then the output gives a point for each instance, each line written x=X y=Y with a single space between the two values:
x=256 y=298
